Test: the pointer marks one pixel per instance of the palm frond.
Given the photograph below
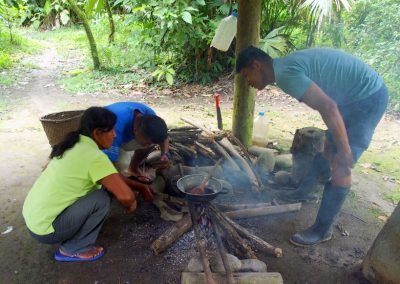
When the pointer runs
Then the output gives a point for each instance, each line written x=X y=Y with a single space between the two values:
x=321 y=9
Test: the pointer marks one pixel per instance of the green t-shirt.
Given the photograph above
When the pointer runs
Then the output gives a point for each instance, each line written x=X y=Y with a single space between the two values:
x=63 y=182
x=343 y=77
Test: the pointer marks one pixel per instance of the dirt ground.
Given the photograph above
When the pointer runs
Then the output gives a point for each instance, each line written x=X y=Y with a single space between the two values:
x=127 y=237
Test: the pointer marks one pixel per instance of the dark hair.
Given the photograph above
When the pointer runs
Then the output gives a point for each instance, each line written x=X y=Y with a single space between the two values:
x=93 y=118
x=153 y=127
x=247 y=56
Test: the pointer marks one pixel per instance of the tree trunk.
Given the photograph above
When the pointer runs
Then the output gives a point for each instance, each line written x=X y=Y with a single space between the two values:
x=110 y=20
x=85 y=23
x=248 y=33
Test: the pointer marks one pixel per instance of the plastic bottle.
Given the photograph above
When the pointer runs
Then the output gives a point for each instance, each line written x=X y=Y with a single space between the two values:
x=225 y=32
x=260 y=130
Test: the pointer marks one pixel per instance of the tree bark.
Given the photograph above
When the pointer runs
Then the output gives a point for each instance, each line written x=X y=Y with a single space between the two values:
x=248 y=33
x=92 y=43
x=110 y=20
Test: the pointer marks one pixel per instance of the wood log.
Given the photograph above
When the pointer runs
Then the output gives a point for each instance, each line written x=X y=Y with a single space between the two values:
x=230 y=233
x=242 y=147
x=227 y=207
x=172 y=234
x=307 y=142
x=185 y=150
x=263 y=211
x=257 y=151
x=246 y=167
x=209 y=132
x=259 y=243
x=205 y=148
x=201 y=244
x=223 y=254
x=225 y=154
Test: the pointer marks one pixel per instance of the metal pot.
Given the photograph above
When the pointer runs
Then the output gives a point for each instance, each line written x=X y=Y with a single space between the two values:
x=187 y=183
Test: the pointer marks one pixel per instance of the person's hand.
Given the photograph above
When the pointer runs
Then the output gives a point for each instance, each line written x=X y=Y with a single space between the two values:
x=344 y=161
x=165 y=157
x=147 y=193
x=132 y=207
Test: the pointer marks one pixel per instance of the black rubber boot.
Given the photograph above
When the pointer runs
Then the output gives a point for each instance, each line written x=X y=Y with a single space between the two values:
x=321 y=230
x=319 y=172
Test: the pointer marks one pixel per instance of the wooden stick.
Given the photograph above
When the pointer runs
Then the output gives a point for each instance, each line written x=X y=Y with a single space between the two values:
x=226 y=207
x=230 y=233
x=263 y=211
x=209 y=132
x=259 y=243
x=172 y=234
x=204 y=148
x=223 y=254
x=242 y=147
x=225 y=154
x=201 y=245
x=246 y=167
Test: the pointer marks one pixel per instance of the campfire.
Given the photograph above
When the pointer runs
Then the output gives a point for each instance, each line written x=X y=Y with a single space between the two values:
x=196 y=152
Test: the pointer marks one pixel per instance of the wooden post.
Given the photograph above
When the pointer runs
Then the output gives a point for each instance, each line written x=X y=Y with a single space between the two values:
x=248 y=33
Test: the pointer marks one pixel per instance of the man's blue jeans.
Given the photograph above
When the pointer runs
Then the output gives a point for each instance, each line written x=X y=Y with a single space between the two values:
x=361 y=119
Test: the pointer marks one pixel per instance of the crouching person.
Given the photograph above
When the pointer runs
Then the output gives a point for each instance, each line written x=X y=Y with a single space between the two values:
x=70 y=200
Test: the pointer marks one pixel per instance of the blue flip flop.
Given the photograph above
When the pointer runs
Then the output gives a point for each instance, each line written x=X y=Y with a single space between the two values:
x=76 y=258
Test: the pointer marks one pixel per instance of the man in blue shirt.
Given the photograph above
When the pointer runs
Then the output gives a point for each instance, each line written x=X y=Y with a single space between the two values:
x=137 y=129
x=351 y=99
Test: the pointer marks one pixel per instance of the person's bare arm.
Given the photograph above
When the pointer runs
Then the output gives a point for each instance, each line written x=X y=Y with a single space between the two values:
x=329 y=111
x=145 y=190
x=116 y=185
x=164 y=146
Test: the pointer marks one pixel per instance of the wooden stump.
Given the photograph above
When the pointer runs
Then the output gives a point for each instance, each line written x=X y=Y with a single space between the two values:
x=306 y=144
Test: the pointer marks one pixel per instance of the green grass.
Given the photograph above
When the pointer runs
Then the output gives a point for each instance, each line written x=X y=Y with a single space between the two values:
x=386 y=162
x=12 y=51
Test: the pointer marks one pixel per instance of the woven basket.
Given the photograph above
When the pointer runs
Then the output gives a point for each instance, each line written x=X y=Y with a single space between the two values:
x=57 y=125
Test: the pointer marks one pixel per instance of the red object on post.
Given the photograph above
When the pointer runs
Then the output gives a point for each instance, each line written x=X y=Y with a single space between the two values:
x=219 y=115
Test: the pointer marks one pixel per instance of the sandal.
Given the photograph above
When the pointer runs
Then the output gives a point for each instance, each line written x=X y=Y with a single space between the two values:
x=59 y=256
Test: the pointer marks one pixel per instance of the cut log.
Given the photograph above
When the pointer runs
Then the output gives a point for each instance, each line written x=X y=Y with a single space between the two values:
x=230 y=233
x=201 y=244
x=225 y=154
x=227 y=207
x=172 y=234
x=205 y=148
x=307 y=142
x=263 y=211
x=259 y=243
x=257 y=151
x=246 y=167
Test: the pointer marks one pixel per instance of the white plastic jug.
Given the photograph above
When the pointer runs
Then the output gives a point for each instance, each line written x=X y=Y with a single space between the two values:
x=225 y=32
x=260 y=130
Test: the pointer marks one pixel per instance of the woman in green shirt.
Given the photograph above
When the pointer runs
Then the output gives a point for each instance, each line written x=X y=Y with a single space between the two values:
x=69 y=201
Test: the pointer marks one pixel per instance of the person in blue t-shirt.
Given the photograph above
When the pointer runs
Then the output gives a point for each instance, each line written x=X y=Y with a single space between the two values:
x=351 y=99
x=137 y=129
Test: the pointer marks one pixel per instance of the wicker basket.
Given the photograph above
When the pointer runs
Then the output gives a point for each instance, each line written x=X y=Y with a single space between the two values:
x=57 y=125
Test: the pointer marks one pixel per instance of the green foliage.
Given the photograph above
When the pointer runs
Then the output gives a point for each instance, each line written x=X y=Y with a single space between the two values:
x=374 y=35
x=178 y=33
x=275 y=43
x=10 y=52
x=165 y=72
